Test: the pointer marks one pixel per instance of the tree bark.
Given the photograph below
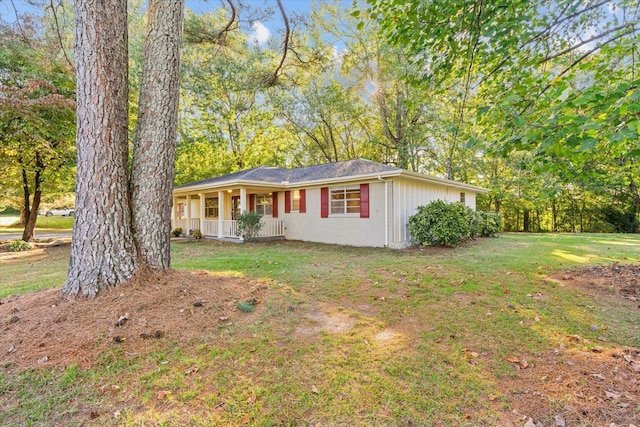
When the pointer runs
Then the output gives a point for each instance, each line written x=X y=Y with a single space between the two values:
x=155 y=140
x=31 y=209
x=102 y=251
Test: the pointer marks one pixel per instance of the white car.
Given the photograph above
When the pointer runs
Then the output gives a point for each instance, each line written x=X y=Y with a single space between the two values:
x=60 y=212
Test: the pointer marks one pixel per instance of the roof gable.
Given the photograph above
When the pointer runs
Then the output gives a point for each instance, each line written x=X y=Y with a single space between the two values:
x=328 y=172
x=273 y=174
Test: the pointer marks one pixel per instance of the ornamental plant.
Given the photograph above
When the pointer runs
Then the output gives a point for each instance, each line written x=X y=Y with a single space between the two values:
x=443 y=224
x=249 y=226
x=19 y=246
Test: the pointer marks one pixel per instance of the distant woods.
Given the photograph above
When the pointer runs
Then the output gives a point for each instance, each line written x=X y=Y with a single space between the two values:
x=538 y=104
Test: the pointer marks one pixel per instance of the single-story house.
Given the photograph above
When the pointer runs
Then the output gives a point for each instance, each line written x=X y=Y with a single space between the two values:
x=354 y=202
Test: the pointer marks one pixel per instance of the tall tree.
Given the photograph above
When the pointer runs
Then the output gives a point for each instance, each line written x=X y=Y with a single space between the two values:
x=103 y=252
x=109 y=244
x=36 y=119
x=156 y=130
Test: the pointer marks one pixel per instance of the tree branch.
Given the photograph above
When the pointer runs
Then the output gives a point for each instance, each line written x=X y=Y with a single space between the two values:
x=55 y=17
x=596 y=37
x=285 y=47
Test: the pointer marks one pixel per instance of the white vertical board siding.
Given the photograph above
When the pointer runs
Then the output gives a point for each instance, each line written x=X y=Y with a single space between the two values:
x=337 y=229
x=470 y=200
x=408 y=195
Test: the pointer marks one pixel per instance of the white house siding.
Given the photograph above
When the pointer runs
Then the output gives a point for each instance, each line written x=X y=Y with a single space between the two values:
x=408 y=195
x=345 y=229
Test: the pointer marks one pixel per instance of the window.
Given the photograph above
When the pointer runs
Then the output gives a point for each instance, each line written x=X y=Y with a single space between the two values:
x=264 y=204
x=211 y=207
x=295 y=200
x=345 y=200
x=181 y=210
x=462 y=197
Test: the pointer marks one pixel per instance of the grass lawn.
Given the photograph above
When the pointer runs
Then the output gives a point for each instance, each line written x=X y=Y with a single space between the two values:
x=345 y=336
x=43 y=224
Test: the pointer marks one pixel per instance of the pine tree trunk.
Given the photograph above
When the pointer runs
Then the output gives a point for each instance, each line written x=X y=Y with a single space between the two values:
x=156 y=133
x=102 y=251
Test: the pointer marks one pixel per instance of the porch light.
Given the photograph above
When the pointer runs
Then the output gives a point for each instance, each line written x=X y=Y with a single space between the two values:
x=228 y=191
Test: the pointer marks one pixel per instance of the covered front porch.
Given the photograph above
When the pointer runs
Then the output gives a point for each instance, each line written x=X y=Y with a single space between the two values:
x=215 y=214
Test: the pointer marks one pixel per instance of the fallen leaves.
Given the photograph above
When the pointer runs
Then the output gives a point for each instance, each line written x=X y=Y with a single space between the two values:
x=519 y=363
x=191 y=370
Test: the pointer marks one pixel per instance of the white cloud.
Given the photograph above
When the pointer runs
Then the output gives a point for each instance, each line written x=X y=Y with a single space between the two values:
x=261 y=34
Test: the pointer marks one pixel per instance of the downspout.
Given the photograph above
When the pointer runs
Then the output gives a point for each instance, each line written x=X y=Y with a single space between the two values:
x=386 y=212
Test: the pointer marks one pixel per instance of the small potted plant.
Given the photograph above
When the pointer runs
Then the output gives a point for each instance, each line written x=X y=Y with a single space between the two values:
x=196 y=234
x=176 y=232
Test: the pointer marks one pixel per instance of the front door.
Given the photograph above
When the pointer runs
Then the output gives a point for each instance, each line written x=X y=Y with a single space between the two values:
x=235 y=207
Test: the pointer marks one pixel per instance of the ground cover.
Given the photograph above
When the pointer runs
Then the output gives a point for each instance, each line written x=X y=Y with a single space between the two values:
x=493 y=333
x=43 y=224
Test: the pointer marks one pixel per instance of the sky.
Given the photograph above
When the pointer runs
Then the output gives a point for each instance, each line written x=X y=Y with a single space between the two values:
x=262 y=30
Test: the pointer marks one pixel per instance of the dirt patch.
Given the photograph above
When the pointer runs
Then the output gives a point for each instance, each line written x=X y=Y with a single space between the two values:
x=621 y=280
x=43 y=328
x=578 y=387
x=328 y=320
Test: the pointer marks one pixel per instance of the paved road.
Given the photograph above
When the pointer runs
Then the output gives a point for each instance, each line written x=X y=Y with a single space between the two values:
x=47 y=235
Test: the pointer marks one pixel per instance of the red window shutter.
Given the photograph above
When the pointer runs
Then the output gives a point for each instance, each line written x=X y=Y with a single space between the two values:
x=287 y=201
x=252 y=202
x=274 y=212
x=364 y=200
x=303 y=201
x=324 y=202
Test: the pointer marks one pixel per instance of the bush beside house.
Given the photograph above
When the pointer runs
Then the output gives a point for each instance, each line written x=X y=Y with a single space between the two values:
x=443 y=224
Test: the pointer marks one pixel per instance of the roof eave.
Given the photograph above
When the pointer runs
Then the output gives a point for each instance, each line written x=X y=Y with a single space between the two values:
x=442 y=181
x=225 y=185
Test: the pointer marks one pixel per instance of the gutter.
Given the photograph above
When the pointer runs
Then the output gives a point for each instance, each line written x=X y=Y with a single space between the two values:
x=386 y=211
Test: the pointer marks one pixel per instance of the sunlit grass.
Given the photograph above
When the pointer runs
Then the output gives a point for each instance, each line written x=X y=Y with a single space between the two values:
x=404 y=326
x=43 y=224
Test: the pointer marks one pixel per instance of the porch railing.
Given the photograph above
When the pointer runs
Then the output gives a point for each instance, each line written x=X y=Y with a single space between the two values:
x=270 y=227
x=210 y=227
x=229 y=228
x=179 y=223
x=194 y=224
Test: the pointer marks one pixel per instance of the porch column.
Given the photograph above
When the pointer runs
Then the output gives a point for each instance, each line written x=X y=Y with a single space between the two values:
x=201 y=195
x=243 y=203
x=221 y=211
x=243 y=199
x=188 y=230
x=174 y=200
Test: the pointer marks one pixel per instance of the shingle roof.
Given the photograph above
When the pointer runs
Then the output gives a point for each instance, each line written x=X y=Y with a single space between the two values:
x=272 y=174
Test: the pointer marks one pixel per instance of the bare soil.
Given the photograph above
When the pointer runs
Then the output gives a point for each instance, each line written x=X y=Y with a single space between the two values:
x=578 y=387
x=46 y=329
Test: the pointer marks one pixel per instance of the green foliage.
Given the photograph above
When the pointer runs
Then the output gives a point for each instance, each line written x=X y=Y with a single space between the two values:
x=249 y=225
x=176 y=232
x=19 y=246
x=489 y=223
x=246 y=307
x=196 y=234
x=619 y=220
x=441 y=224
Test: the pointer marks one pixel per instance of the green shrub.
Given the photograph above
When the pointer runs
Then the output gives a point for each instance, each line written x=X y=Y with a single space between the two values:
x=443 y=224
x=249 y=225
x=19 y=246
x=196 y=234
x=489 y=224
x=440 y=224
x=176 y=232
